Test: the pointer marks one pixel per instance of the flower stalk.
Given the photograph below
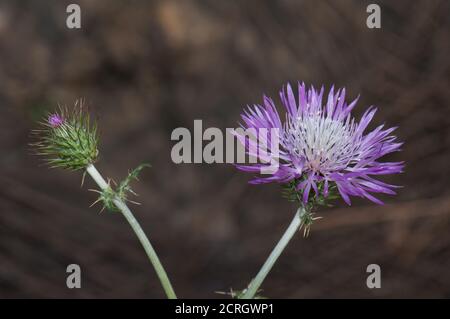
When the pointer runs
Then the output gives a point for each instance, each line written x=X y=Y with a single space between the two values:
x=293 y=228
x=126 y=212
x=69 y=140
x=323 y=153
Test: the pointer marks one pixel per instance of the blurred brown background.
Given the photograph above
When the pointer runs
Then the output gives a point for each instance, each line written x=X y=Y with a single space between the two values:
x=147 y=67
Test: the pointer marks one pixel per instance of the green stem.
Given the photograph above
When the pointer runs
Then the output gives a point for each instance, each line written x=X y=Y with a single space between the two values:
x=290 y=232
x=165 y=282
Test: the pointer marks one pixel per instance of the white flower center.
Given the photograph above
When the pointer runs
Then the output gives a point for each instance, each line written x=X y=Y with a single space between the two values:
x=325 y=143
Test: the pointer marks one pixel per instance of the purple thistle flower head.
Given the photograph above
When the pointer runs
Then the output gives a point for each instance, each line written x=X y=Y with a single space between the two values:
x=321 y=146
x=55 y=120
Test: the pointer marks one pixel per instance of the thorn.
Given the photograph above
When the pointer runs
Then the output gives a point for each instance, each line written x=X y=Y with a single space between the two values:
x=221 y=292
x=132 y=192
x=98 y=200
x=82 y=179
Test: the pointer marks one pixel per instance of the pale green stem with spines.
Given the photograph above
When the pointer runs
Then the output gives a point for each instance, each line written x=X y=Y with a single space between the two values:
x=126 y=212
x=276 y=252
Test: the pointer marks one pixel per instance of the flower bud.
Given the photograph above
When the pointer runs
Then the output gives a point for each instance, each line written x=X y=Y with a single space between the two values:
x=68 y=139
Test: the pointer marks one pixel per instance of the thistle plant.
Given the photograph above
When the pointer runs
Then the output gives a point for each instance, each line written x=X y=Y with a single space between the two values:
x=324 y=154
x=68 y=139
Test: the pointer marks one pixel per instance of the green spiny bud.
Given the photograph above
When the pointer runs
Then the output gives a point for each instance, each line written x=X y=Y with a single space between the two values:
x=68 y=139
